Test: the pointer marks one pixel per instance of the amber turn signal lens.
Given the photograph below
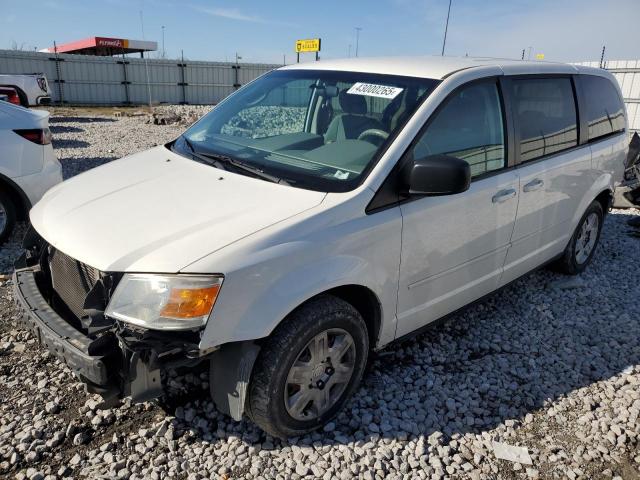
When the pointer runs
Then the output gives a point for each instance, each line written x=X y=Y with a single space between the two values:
x=190 y=303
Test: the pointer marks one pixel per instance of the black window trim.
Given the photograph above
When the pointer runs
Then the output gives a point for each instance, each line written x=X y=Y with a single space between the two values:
x=577 y=101
x=388 y=194
x=585 y=121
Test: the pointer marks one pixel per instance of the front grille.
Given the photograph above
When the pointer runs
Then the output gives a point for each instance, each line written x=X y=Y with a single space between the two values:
x=71 y=280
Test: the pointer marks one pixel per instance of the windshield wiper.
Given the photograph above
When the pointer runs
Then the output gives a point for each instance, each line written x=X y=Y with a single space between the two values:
x=224 y=161
x=202 y=157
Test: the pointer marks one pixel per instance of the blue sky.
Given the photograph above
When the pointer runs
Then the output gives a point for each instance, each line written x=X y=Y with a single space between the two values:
x=262 y=31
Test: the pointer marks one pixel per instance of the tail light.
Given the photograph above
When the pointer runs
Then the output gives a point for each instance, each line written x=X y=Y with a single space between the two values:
x=41 y=136
x=14 y=98
x=12 y=95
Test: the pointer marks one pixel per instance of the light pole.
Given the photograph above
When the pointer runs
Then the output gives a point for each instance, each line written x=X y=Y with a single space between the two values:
x=357 y=38
x=446 y=27
x=164 y=52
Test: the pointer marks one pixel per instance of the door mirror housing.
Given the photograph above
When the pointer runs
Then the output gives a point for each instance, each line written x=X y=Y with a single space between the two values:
x=438 y=175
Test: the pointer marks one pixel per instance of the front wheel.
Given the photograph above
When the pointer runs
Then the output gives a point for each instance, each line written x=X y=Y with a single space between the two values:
x=309 y=368
x=584 y=241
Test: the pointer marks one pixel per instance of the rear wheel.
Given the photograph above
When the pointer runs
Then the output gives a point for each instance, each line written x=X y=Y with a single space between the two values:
x=7 y=216
x=309 y=368
x=584 y=241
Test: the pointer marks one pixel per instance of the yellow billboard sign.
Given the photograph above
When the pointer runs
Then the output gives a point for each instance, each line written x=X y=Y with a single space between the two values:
x=308 y=45
x=539 y=56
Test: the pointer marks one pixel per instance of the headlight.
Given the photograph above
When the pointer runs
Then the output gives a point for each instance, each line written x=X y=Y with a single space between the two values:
x=164 y=302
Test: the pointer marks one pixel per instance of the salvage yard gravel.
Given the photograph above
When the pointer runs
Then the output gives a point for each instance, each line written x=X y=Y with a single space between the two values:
x=540 y=380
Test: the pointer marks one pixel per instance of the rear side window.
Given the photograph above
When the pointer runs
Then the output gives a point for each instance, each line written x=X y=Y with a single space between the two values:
x=469 y=127
x=604 y=108
x=546 y=114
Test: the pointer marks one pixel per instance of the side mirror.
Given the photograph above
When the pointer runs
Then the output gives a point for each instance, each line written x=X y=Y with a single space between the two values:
x=438 y=175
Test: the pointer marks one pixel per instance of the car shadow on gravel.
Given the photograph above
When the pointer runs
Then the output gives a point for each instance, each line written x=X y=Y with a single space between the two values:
x=516 y=352
x=65 y=129
x=67 y=119
x=69 y=143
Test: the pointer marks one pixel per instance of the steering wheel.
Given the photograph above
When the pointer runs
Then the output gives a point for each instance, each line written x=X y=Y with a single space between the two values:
x=374 y=132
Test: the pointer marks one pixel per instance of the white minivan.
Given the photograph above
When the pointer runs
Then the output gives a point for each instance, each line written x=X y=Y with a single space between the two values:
x=320 y=212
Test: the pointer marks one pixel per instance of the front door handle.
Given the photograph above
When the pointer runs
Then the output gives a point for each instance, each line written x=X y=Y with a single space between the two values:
x=533 y=185
x=503 y=195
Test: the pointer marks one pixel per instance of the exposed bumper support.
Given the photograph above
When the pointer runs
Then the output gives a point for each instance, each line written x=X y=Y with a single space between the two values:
x=112 y=364
x=117 y=361
x=65 y=342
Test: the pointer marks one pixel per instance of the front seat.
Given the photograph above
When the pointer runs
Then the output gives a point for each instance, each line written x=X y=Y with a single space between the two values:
x=351 y=123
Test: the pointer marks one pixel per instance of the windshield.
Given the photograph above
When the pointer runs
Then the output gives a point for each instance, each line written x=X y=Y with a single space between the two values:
x=320 y=130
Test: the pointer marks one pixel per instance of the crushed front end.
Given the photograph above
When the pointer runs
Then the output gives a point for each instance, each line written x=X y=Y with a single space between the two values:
x=63 y=302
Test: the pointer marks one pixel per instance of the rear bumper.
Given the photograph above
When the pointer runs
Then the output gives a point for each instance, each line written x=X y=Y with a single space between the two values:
x=61 y=339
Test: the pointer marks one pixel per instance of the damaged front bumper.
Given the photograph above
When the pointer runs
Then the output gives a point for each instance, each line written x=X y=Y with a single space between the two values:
x=116 y=362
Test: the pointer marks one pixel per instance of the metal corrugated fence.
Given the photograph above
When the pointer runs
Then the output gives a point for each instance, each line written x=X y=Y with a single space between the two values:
x=91 y=80
x=627 y=72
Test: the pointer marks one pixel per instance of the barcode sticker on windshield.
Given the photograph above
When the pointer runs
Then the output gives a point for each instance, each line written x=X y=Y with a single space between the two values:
x=373 y=90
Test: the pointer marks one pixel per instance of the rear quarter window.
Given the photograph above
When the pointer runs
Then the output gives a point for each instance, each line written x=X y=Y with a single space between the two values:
x=604 y=108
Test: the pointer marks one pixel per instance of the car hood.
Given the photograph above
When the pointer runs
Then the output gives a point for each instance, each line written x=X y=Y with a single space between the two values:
x=157 y=211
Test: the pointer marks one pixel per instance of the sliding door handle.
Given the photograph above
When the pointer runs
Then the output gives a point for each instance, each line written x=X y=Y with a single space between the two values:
x=503 y=195
x=533 y=185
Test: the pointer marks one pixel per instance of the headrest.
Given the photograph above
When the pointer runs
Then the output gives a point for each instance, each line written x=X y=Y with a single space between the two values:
x=352 y=103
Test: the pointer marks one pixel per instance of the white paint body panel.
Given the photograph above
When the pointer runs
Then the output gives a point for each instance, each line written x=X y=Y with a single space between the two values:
x=29 y=86
x=546 y=215
x=33 y=168
x=158 y=212
x=278 y=246
x=453 y=249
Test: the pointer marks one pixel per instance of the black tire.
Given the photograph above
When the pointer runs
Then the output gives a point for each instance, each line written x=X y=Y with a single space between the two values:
x=9 y=209
x=568 y=263
x=265 y=401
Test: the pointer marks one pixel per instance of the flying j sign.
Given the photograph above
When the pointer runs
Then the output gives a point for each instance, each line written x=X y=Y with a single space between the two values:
x=308 y=45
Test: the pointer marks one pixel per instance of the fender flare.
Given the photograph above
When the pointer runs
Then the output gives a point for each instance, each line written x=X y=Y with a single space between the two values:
x=602 y=184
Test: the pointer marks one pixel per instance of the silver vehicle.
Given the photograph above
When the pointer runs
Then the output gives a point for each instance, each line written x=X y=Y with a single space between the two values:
x=319 y=213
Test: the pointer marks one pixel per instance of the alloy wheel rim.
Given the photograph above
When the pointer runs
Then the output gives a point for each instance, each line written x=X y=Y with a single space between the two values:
x=586 y=240
x=320 y=374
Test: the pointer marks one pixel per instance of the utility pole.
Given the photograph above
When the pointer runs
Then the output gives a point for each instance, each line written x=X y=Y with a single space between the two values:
x=357 y=38
x=164 y=52
x=602 y=56
x=446 y=27
x=522 y=54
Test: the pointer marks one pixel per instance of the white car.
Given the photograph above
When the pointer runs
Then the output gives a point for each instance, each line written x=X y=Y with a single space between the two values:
x=32 y=89
x=319 y=213
x=28 y=165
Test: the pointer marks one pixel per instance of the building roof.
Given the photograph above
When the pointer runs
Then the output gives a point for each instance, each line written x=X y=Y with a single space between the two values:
x=105 y=46
x=435 y=67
